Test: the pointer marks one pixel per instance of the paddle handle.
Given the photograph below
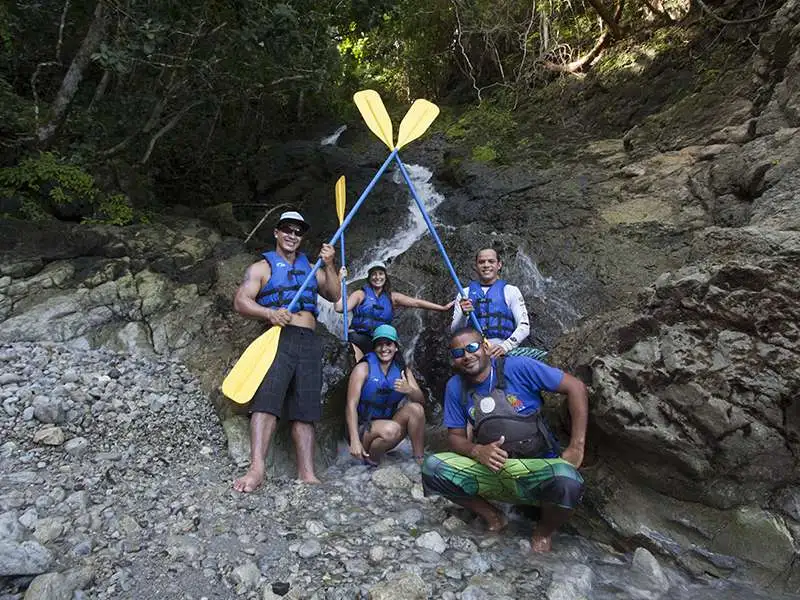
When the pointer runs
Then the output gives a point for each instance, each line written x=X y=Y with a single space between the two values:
x=435 y=236
x=342 y=227
x=344 y=294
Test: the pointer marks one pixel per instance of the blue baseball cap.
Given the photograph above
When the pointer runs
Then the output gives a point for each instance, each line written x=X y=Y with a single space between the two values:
x=385 y=332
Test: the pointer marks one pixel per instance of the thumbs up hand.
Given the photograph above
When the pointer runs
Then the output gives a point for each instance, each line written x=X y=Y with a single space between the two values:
x=402 y=385
x=491 y=455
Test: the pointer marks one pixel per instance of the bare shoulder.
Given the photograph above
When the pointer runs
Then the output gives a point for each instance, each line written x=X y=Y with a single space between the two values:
x=360 y=371
x=257 y=272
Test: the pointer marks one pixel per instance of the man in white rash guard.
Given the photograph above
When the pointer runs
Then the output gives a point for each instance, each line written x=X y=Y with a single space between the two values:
x=499 y=306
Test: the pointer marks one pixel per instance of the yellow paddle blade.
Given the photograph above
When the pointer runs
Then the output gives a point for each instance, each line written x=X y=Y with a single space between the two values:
x=246 y=375
x=340 y=198
x=416 y=122
x=374 y=113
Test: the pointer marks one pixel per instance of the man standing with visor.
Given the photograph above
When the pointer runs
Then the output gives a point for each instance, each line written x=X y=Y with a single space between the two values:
x=292 y=387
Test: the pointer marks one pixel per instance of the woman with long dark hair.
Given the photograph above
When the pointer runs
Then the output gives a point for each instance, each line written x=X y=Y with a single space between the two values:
x=374 y=304
x=377 y=417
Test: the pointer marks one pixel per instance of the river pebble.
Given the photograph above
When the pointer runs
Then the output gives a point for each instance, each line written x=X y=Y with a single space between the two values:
x=115 y=483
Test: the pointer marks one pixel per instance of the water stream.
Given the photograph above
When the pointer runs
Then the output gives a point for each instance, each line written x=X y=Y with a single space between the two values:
x=609 y=572
x=405 y=235
x=331 y=139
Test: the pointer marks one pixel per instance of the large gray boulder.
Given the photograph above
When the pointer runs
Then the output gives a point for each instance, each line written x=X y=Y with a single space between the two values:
x=23 y=558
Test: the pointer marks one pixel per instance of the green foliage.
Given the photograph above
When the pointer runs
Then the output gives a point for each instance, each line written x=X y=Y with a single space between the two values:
x=62 y=182
x=487 y=121
x=402 y=47
x=490 y=129
x=48 y=179
x=115 y=210
x=33 y=211
x=484 y=153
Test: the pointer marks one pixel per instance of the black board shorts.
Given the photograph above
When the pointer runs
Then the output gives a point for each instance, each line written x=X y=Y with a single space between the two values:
x=362 y=340
x=292 y=387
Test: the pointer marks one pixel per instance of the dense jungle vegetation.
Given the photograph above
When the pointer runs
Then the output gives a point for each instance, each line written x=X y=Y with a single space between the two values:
x=106 y=105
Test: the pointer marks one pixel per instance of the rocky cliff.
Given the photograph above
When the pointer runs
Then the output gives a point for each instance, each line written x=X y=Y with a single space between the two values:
x=671 y=250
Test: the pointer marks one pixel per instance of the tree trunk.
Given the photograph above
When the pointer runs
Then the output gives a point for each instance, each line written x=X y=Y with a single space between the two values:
x=71 y=81
x=608 y=18
x=603 y=41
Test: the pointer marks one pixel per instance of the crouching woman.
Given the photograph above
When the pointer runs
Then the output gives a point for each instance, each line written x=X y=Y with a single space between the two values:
x=384 y=402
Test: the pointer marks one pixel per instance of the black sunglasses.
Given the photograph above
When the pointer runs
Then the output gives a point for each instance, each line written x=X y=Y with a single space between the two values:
x=287 y=229
x=472 y=347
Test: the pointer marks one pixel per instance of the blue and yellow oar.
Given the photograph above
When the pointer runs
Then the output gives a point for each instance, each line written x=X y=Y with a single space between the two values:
x=247 y=374
x=340 y=202
x=419 y=117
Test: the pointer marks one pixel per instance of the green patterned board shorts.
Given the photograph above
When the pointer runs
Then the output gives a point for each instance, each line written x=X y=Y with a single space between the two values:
x=532 y=481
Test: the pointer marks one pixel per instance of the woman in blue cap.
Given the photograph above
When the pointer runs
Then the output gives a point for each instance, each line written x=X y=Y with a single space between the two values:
x=378 y=385
x=373 y=305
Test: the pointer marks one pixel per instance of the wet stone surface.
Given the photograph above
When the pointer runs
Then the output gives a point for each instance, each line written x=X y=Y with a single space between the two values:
x=136 y=502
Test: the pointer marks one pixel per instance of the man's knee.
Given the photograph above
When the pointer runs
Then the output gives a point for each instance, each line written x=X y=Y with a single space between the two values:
x=440 y=478
x=562 y=491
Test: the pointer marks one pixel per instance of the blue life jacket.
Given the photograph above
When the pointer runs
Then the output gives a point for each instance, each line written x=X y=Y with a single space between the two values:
x=373 y=311
x=496 y=319
x=284 y=282
x=527 y=436
x=379 y=399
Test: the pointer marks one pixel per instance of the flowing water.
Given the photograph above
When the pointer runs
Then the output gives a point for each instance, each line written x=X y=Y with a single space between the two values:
x=529 y=279
x=333 y=138
x=406 y=235
x=609 y=572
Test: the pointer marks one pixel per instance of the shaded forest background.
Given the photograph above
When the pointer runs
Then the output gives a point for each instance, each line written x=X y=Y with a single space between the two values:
x=111 y=110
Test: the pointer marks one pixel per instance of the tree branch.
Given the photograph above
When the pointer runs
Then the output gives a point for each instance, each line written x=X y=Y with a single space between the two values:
x=579 y=64
x=74 y=76
x=661 y=14
x=264 y=218
x=719 y=19
x=61 y=31
x=165 y=129
x=611 y=21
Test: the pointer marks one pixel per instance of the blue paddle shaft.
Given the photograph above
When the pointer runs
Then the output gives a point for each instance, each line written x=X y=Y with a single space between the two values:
x=342 y=227
x=344 y=294
x=435 y=236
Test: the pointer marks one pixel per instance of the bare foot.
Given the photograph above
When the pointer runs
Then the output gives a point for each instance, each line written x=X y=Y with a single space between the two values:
x=308 y=479
x=540 y=544
x=497 y=523
x=250 y=481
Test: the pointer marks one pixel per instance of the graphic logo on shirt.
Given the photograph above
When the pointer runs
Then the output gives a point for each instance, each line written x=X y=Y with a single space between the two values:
x=515 y=402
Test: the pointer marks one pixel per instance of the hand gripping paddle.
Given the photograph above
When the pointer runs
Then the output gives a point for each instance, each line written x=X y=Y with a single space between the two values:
x=247 y=374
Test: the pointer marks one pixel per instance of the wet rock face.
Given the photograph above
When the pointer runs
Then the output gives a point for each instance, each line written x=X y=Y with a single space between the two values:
x=147 y=510
x=707 y=402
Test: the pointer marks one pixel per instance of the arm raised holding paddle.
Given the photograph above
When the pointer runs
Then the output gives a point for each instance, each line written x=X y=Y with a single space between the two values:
x=281 y=290
x=328 y=277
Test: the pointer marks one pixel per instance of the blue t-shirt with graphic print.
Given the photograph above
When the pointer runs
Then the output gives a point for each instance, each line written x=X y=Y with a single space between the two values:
x=525 y=378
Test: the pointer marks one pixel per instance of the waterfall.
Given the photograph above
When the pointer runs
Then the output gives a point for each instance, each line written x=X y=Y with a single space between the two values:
x=331 y=140
x=406 y=234
x=529 y=279
x=524 y=272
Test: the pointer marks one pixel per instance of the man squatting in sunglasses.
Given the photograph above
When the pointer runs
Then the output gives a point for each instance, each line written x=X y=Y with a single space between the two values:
x=502 y=448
